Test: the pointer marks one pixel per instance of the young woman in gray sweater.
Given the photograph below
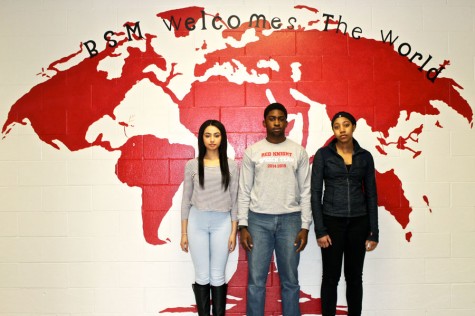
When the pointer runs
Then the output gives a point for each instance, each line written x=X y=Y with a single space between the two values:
x=209 y=215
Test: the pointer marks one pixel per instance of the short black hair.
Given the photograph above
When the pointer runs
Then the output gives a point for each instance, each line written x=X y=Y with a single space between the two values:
x=275 y=106
x=347 y=115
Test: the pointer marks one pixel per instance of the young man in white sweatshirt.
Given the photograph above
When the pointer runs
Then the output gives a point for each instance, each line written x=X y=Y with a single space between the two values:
x=274 y=211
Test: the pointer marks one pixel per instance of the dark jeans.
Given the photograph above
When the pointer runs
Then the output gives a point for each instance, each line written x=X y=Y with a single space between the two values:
x=348 y=236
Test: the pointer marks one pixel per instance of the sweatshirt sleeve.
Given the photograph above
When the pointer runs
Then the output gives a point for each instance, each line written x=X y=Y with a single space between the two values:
x=246 y=181
x=187 y=190
x=316 y=194
x=303 y=178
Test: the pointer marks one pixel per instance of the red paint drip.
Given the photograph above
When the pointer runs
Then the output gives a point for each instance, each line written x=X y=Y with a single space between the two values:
x=426 y=199
x=408 y=236
x=311 y=9
x=381 y=150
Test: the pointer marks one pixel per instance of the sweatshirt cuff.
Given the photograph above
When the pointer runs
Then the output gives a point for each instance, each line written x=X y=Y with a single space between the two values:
x=242 y=222
x=306 y=226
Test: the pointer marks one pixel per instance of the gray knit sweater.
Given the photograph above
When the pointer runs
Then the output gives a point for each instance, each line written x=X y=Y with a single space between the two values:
x=212 y=197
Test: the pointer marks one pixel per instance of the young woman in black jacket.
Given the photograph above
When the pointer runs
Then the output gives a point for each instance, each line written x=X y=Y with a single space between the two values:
x=346 y=218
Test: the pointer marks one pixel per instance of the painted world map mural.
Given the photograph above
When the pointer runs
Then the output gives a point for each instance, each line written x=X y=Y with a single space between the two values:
x=203 y=65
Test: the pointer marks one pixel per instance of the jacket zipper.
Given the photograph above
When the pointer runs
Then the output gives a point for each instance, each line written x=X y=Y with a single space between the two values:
x=348 y=190
x=348 y=181
x=347 y=185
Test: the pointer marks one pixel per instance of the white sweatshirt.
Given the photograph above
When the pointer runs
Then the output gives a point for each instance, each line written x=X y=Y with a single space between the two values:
x=275 y=179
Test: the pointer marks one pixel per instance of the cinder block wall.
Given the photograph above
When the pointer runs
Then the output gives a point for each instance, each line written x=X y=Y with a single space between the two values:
x=93 y=148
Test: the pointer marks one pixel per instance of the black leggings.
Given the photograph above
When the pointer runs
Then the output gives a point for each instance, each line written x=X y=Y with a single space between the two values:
x=348 y=237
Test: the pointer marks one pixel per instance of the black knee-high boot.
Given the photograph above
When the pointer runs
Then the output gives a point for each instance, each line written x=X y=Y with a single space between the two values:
x=202 y=297
x=218 y=296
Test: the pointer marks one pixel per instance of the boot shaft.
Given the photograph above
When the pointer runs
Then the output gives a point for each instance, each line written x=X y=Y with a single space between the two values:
x=202 y=297
x=218 y=295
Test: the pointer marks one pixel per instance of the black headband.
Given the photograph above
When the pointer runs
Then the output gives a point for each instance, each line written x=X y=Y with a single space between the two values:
x=345 y=115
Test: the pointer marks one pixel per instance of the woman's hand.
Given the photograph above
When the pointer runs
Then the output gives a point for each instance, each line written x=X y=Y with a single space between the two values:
x=184 y=242
x=371 y=245
x=324 y=242
x=184 y=235
x=232 y=242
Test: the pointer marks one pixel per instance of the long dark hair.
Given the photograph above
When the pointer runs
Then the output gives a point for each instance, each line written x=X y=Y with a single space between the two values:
x=222 y=149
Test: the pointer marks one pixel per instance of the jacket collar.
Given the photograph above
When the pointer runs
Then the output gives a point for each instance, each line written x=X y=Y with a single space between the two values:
x=356 y=146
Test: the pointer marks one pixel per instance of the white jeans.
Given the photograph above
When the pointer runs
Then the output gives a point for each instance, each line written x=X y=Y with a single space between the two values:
x=208 y=235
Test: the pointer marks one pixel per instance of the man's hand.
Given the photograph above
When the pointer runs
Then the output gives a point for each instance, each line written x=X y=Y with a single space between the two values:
x=301 y=240
x=245 y=239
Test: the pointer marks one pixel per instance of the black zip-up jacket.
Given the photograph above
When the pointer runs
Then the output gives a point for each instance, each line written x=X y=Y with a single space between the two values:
x=347 y=193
